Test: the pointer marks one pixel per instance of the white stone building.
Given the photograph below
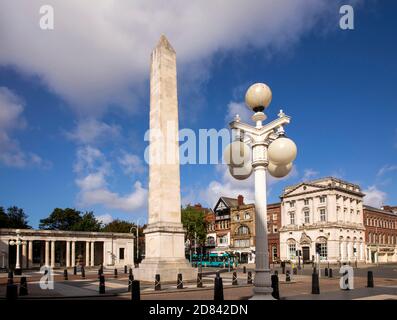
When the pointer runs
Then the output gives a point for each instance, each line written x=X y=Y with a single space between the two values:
x=327 y=212
x=30 y=248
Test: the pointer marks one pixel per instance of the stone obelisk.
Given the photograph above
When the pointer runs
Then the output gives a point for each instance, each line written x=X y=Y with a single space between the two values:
x=164 y=235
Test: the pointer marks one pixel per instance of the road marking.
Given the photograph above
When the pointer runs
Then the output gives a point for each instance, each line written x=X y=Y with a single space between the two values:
x=379 y=297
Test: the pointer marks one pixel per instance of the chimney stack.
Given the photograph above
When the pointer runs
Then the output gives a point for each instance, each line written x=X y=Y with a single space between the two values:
x=240 y=200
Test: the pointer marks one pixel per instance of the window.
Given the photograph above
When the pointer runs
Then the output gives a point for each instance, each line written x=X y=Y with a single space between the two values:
x=292 y=218
x=275 y=228
x=292 y=204
x=247 y=216
x=307 y=216
x=275 y=217
x=211 y=241
x=322 y=199
x=292 y=250
x=274 y=252
x=121 y=253
x=243 y=230
x=306 y=202
x=223 y=240
x=322 y=215
x=245 y=243
x=237 y=217
x=323 y=248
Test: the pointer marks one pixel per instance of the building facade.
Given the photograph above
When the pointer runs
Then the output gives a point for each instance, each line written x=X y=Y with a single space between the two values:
x=242 y=231
x=36 y=248
x=326 y=214
x=273 y=231
x=381 y=234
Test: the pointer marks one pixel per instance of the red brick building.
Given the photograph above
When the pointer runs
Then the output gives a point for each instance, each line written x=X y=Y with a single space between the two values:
x=273 y=227
x=380 y=234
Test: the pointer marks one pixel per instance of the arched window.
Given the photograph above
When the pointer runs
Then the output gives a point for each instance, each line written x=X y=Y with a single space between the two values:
x=243 y=230
x=323 y=247
x=291 y=248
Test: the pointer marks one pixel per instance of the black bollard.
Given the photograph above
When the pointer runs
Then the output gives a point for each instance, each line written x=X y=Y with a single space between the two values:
x=130 y=279
x=244 y=269
x=326 y=272
x=102 y=284
x=249 y=277
x=199 y=280
x=10 y=279
x=65 y=274
x=157 y=283
x=315 y=283
x=179 y=281
x=12 y=291
x=135 y=291
x=130 y=271
x=23 y=287
x=287 y=276
x=125 y=269
x=83 y=272
x=74 y=270
x=276 y=292
x=115 y=273
x=330 y=273
x=276 y=272
x=218 y=274
x=370 y=279
x=218 y=289
x=234 y=281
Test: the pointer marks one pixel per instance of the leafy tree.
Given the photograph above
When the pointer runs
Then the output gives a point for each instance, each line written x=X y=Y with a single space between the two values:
x=120 y=226
x=88 y=222
x=16 y=218
x=61 y=219
x=3 y=218
x=193 y=220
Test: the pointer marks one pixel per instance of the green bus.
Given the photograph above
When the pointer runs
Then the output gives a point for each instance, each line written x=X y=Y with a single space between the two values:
x=216 y=260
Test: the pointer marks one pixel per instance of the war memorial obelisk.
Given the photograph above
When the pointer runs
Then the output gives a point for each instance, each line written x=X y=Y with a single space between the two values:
x=164 y=235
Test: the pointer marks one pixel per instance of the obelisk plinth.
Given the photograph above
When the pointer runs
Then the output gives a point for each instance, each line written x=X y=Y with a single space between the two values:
x=164 y=235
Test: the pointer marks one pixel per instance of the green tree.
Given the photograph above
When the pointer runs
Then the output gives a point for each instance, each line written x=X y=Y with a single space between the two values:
x=3 y=218
x=88 y=222
x=193 y=221
x=119 y=226
x=61 y=219
x=16 y=218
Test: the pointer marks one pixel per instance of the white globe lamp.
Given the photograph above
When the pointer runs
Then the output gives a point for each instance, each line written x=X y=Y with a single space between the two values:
x=279 y=171
x=237 y=154
x=258 y=97
x=282 y=151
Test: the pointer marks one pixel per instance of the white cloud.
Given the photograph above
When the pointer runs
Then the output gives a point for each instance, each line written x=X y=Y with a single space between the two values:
x=105 y=218
x=93 y=170
x=309 y=174
x=131 y=163
x=374 y=197
x=97 y=53
x=11 y=154
x=239 y=108
x=386 y=169
x=89 y=131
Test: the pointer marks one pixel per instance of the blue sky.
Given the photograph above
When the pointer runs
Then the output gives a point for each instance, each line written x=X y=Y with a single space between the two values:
x=74 y=100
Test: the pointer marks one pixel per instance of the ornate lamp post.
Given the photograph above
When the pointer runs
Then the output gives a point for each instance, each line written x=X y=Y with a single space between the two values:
x=18 y=242
x=259 y=149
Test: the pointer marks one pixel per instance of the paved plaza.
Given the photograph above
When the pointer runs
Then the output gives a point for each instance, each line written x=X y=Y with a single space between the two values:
x=299 y=288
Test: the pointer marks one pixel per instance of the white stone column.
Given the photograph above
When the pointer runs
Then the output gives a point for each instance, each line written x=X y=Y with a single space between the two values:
x=67 y=254
x=73 y=253
x=92 y=254
x=52 y=254
x=18 y=263
x=87 y=253
x=24 y=255
x=30 y=253
x=47 y=254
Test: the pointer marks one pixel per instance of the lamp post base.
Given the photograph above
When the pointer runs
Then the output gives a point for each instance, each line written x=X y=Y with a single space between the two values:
x=263 y=293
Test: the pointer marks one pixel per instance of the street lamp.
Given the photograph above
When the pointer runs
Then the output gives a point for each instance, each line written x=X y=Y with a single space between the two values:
x=18 y=242
x=259 y=149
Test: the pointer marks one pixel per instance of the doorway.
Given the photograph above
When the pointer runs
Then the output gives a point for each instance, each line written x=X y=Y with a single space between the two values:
x=306 y=254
